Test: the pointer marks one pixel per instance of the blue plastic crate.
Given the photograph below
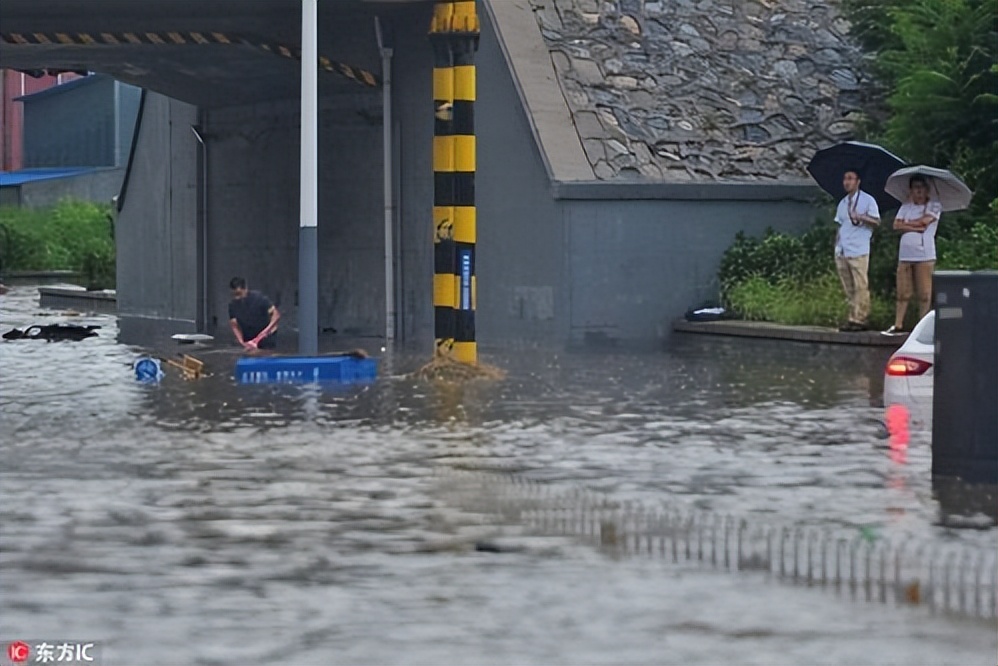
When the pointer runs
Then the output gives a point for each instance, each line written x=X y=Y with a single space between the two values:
x=305 y=370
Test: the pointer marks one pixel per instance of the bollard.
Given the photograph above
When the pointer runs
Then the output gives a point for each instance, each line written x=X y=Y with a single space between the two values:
x=965 y=391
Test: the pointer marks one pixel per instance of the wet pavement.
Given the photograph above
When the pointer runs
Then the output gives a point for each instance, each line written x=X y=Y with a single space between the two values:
x=210 y=523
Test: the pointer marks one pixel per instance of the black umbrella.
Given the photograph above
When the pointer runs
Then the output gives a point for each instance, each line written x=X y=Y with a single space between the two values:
x=874 y=163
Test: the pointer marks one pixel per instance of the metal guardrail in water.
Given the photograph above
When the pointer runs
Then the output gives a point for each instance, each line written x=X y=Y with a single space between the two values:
x=956 y=579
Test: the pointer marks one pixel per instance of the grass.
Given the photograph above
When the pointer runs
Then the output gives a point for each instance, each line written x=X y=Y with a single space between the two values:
x=817 y=302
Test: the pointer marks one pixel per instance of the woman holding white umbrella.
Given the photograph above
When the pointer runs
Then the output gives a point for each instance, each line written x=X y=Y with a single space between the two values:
x=926 y=193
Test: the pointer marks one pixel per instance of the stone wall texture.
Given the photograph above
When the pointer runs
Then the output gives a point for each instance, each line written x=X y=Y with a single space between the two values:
x=705 y=90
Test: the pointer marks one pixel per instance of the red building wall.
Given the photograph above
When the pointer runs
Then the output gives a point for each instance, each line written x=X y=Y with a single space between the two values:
x=13 y=85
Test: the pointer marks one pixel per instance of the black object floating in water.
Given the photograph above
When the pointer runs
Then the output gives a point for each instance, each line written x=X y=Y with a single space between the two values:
x=52 y=333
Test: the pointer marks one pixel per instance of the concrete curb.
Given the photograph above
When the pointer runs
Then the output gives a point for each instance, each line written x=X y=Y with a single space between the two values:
x=78 y=298
x=767 y=330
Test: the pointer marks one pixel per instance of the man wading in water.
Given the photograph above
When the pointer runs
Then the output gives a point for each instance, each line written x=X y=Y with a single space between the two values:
x=252 y=316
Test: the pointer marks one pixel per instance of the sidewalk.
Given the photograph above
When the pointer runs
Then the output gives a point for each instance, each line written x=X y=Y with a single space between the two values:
x=762 y=329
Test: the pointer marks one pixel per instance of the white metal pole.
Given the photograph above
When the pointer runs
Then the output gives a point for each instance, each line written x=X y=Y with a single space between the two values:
x=308 y=255
x=386 y=123
x=202 y=315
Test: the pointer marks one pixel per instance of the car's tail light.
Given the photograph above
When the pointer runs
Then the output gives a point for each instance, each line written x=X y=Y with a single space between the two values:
x=906 y=366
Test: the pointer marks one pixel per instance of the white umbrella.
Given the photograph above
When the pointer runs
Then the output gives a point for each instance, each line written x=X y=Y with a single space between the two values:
x=944 y=187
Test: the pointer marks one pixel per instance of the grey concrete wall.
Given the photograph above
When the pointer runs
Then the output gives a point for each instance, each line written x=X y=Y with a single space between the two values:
x=636 y=265
x=253 y=213
x=128 y=109
x=156 y=227
x=413 y=109
x=252 y=205
x=521 y=241
x=97 y=186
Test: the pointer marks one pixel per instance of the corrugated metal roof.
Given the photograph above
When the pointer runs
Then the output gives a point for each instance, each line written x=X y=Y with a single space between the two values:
x=14 y=178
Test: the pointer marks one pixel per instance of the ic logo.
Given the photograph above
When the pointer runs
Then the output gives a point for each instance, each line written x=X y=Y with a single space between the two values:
x=18 y=652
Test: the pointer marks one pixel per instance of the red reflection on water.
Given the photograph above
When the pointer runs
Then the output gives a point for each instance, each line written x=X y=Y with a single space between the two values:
x=897 y=419
x=898 y=453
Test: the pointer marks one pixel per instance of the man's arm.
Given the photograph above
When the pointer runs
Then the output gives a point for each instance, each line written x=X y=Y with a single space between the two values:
x=275 y=316
x=867 y=218
x=870 y=216
x=237 y=331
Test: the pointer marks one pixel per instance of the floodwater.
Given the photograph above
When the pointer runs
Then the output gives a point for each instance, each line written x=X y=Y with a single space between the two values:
x=210 y=523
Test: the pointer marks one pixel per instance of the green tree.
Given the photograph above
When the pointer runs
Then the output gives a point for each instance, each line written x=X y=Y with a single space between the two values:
x=937 y=61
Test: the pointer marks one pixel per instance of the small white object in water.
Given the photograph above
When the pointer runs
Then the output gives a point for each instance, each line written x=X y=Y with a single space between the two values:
x=382 y=349
x=192 y=337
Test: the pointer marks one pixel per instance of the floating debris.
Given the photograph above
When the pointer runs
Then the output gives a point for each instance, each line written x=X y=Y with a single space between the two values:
x=52 y=333
x=191 y=367
x=191 y=338
x=447 y=370
x=148 y=370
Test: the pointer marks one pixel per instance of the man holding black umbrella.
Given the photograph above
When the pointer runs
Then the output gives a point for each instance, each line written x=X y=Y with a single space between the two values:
x=839 y=170
x=857 y=215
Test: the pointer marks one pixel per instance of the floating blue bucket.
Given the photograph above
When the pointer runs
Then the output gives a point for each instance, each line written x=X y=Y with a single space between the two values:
x=306 y=370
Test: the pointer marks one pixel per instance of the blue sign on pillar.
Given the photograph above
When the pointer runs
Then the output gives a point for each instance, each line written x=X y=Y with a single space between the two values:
x=464 y=260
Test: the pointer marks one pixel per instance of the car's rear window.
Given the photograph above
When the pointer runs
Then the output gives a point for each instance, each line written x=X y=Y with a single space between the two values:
x=927 y=336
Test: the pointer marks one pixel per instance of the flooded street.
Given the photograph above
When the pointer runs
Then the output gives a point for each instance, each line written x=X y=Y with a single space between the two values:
x=211 y=523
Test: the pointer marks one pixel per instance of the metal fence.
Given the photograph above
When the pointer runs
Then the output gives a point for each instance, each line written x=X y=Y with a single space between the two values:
x=957 y=579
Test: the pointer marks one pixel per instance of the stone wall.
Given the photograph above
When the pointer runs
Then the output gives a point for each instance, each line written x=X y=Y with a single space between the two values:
x=694 y=90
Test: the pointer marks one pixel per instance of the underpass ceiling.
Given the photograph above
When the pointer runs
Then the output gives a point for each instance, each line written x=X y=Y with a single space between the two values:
x=206 y=74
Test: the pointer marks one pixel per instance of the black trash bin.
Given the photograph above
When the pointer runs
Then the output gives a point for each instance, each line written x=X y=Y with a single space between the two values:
x=965 y=390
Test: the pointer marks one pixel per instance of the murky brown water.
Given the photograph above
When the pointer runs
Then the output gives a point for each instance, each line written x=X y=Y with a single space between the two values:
x=210 y=523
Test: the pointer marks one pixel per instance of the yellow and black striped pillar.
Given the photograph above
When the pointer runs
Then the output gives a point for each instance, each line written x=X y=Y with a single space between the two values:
x=443 y=184
x=454 y=32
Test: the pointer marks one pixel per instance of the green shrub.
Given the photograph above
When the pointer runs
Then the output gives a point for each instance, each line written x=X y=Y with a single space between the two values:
x=74 y=235
x=816 y=302
x=778 y=256
x=969 y=242
x=792 y=280
x=98 y=268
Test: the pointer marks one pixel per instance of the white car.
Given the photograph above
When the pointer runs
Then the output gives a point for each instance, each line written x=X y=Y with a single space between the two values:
x=908 y=376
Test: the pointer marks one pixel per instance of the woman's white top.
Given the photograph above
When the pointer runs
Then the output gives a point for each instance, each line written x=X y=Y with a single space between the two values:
x=917 y=246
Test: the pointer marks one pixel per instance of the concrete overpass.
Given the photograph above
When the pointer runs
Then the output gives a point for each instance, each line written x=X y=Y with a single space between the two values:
x=578 y=241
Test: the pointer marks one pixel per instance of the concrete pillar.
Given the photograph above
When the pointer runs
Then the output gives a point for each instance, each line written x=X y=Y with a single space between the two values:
x=454 y=33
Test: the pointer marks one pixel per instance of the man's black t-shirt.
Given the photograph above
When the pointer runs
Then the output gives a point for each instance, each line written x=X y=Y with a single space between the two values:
x=252 y=312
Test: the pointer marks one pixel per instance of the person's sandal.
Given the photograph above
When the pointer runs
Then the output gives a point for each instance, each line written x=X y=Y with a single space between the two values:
x=893 y=331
